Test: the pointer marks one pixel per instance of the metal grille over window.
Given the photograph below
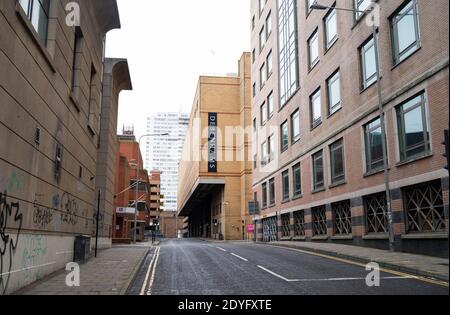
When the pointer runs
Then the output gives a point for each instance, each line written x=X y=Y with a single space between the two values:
x=299 y=223
x=376 y=214
x=342 y=215
x=285 y=225
x=424 y=207
x=270 y=230
x=319 y=220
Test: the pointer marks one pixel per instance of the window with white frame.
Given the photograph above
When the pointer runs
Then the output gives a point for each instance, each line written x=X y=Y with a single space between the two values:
x=316 y=109
x=368 y=63
x=313 y=49
x=331 y=33
x=334 y=93
x=295 y=125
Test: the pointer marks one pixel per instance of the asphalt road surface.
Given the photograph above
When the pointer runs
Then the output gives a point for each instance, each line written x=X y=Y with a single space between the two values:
x=194 y=267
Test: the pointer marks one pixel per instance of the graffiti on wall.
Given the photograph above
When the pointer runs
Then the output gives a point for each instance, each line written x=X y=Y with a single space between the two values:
x=12 y=182
x=9 y=215
x=34 y=253
x=69 y=209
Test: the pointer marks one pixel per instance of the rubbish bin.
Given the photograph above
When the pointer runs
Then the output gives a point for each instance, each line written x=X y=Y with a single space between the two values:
x=82 y=249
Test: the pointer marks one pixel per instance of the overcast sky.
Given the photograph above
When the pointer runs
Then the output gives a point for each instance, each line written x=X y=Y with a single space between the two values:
x=168 y=44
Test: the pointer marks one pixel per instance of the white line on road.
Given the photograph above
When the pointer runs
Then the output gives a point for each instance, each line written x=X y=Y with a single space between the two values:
x=274 y=274
x=223 y=250
x=330 y=279
x=152 y=279
x=147 y=275
x=241 y=258
x=347 y=279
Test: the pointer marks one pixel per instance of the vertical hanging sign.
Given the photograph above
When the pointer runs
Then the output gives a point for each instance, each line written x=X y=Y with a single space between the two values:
x=212 y=142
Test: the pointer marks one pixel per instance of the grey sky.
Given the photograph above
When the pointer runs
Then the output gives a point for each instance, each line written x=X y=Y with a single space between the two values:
x=168 y=44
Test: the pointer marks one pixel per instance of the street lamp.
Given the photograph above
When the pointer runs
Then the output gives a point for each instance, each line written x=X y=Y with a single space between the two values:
x=371 y=9
x=137 y=178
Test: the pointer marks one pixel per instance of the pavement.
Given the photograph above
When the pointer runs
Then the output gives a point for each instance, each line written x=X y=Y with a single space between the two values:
x=111 y=273
x=196 y=267
x=426 y=266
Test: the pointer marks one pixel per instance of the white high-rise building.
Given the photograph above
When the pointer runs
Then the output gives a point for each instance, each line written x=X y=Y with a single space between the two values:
x=164 y=153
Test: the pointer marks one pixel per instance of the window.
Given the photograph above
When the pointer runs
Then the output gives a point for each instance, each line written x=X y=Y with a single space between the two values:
x=413 y=128
x=316 y=109
x=284 y=136
x=405 y=31
x=368 y=63
x=37 y=12
x=318 y=174
x=264 y=153
x=262 y=75
x=295 y=125
x=253 y=23
x=254 y=89
x=262 y=39
x=269 y=24
x=270 y=106
x=374 y=147
x=313 y=49
x=264 y=195
x=254 y=125
x=285 y=184
x=263 y=114
x=286 y=225
x=376 y=214
x=77 y=44
x=309 y=3
x=271 y=148
x=269 y=64
x=319 y=221
x=342 y=218
x=261 y=6
x=255 y=161
x=361 y=5
x=297 y=180
x=253 y=56
x=288 y=54
x=331 y=34
x=337 y=162
x=424 y=206
x=334 y=93
x=272 y=192
x=299 y=223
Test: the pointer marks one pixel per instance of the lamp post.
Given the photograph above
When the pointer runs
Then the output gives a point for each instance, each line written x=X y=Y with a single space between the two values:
x=137 y=178
x=371 y=9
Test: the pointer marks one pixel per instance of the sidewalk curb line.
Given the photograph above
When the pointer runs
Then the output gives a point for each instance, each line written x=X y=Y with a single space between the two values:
x=134 y=273
x=386 y=265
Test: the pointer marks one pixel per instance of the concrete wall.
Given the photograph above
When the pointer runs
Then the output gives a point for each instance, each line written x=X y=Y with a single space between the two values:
x=40 y=91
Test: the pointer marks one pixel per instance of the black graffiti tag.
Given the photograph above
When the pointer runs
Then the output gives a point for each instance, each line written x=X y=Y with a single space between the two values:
x=69 y=210
x=8 y=211
x=42 y=216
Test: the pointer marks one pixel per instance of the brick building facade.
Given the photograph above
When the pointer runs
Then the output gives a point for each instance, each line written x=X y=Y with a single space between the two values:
x=317 y=129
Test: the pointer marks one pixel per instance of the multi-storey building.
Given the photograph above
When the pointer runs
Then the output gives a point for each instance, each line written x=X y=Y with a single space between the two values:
x=164 y=152
x=51 y=77
x=215 y=168
x=132 y=191
x=318 y=174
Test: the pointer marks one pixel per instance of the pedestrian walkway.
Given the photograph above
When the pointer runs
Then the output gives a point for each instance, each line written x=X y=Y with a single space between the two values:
x=426 y=266
x=111 y=273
